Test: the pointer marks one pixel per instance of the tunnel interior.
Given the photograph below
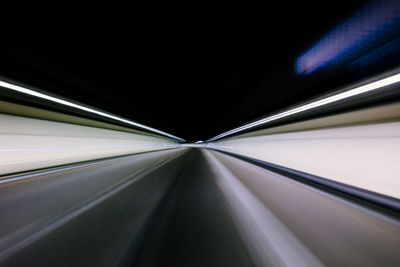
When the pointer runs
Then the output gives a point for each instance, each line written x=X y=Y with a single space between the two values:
x=201 y=135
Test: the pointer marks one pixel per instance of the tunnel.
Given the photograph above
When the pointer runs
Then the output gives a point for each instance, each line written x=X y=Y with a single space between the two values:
x=201 y=135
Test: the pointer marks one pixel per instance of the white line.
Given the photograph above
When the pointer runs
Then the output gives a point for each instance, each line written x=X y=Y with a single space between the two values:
x=87 y=109
x=355 y=91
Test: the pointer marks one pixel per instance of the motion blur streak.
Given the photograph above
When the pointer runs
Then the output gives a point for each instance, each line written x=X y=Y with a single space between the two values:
x=186 y=207
x=319 y=103
x=81 y=107
x=318 y=190
x=47 y=212
x=338 y=231
x=28 y=144
x=365 y=156
x=365 y=34
x=260 y=229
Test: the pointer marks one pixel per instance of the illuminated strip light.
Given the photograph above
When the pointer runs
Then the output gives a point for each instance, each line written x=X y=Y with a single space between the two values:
x=80 y=107
x=356 y=91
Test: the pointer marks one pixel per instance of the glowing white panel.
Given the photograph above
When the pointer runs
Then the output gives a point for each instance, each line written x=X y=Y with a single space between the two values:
x=365 y=156
x=27 y=144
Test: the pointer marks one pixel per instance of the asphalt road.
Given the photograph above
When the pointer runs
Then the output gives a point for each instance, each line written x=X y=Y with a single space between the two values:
x=185 y=207
x=195 y=228
x=87 y=215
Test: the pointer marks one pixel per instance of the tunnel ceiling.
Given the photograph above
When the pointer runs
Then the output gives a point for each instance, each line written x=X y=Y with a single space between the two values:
x=190 y=70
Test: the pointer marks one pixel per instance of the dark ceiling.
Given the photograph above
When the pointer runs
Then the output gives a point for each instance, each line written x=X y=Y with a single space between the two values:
x=191 y=70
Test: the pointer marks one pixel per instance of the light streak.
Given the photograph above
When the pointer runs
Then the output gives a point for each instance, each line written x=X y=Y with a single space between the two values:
x=366 y=32
x=84 y=108
x=328 y=100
